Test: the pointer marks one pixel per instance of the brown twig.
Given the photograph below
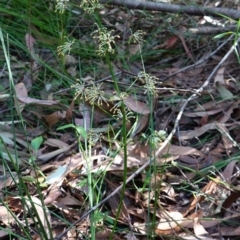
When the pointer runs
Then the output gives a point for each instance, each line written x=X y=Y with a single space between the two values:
x=212 y=30
x=173 y=8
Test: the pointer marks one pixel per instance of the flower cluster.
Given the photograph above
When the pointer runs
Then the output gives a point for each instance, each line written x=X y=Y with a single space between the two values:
x=105 y=40
x=66 y=47
x=61 y=5
x=89 y=6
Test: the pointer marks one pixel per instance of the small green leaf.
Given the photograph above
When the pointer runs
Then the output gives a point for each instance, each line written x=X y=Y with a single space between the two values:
x=222 y=35
x=36 y=143
x=81 y=131
x=108 y=219
x=66 y=126
x=28 y=179
x=43 y=185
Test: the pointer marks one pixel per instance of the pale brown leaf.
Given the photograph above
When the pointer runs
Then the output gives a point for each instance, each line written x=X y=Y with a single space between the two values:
x=170 y=221
x=137 y=106
x=199 y=230
x=54 y=118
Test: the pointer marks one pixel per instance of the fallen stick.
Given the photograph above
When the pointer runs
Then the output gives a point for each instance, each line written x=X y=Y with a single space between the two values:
x=173 y=8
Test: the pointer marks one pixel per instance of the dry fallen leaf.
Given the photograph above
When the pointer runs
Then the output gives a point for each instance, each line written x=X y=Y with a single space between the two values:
x=137 y=106
x=54 y=118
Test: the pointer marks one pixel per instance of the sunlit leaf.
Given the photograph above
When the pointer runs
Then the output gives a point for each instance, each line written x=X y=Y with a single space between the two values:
x=56 y=176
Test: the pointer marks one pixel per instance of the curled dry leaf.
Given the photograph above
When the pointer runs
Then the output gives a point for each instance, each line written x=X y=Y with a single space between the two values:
x=54 y=118
x=199 y=230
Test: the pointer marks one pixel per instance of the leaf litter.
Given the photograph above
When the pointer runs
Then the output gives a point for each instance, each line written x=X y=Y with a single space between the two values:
x=196 y=187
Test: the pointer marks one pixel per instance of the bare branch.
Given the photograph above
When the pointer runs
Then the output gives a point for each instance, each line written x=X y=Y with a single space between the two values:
x=212 y=30
x=172 y=8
